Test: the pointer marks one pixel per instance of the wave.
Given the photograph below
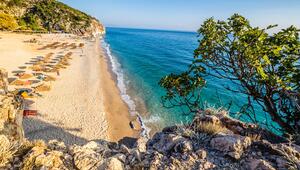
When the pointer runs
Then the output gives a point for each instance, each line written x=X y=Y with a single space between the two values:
x=117 y=70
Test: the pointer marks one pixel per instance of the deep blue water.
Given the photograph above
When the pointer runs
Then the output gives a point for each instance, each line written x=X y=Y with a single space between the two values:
x=143 y=57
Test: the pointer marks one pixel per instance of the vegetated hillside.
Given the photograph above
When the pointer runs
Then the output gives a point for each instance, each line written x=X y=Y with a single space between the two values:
x=46 y=15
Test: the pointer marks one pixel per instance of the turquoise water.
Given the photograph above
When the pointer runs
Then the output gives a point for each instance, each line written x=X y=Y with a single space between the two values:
x=141 y=58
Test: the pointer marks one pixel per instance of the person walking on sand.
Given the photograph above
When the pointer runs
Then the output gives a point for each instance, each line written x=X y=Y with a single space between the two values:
x=57 y=72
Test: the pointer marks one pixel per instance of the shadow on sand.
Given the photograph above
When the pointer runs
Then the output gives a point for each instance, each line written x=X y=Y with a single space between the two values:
x=45 y=131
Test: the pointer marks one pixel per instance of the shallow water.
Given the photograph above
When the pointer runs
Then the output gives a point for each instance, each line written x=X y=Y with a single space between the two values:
x=142 y=57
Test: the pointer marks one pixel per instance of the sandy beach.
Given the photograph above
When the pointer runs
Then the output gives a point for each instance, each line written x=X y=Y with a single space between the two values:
x=81 y=102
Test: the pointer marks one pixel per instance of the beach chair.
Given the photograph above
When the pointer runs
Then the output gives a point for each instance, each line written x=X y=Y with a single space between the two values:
x=29 y=113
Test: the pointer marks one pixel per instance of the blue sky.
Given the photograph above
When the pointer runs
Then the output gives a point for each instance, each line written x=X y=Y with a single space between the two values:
x=187 y=14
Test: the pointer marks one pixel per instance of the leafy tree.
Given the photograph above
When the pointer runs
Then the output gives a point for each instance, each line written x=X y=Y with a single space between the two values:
x=265 y=67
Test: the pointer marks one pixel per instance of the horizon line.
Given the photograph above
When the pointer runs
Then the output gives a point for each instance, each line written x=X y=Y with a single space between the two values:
x=153 y=29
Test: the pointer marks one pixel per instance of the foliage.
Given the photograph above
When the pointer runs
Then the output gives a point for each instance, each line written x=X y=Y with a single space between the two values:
x=209 y=128
x=54 y=15
x=30 y=22
x=7 y=150
x=182 y=90
x=264 y=67
x=7 y=22
x=15 y=3
x=50 y=15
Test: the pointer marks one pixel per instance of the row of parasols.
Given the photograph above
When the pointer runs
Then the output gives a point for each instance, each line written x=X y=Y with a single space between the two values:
x=41 y=67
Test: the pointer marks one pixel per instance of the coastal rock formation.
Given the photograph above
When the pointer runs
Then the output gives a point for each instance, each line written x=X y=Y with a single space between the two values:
x=11 y=112
x=47 y=16
x=225 y=143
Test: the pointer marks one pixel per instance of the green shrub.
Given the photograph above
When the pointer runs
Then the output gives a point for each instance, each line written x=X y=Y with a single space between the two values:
x=15 y=3
x=7 y=22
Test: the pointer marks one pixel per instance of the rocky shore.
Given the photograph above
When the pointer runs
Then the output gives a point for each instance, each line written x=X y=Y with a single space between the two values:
x=212 y=141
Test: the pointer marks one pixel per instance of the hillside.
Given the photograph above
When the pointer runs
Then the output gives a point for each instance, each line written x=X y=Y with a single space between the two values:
x=46 y=15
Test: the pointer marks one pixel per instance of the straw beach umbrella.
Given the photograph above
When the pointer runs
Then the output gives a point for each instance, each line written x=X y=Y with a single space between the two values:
x=49 y=78
x=18 y=82
x=25 y=76
x=42 y=88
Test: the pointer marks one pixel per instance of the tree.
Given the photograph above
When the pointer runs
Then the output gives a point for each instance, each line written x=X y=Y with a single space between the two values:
x=265 y=67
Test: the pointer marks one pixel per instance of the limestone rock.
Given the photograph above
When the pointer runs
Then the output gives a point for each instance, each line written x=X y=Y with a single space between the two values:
x=201 y=153
x=207 y=165
x=183 y=146
x=112 y=164
x=85 y=157
x=258 y=164
x=164 y=143
x=11 y=113
x=232 y=145
x=141 y=144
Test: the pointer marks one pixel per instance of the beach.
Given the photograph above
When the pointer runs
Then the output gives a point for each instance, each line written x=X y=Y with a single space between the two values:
x=81 y=102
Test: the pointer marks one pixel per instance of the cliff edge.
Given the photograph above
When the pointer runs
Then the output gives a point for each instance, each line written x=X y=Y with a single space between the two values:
x=47 y=15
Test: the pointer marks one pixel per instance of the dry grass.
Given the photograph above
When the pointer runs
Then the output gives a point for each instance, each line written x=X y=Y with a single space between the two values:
x=210 y=128
x=7 y=150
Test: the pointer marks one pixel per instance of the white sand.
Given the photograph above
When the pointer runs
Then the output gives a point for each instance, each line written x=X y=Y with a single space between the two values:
x=73 y=110
x=84 y=102
x=76 y=102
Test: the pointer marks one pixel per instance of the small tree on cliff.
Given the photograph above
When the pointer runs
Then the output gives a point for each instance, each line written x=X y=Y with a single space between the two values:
x=264 y=67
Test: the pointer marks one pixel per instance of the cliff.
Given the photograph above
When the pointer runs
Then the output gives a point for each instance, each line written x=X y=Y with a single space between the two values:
x=47 y=15
x=212 y=141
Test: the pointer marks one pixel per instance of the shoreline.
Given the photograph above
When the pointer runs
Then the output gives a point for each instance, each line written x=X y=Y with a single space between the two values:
x=136 y=122
x=119 y=124
x=84 y=102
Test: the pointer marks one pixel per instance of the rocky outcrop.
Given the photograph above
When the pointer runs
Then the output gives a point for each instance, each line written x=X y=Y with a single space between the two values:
x=178 y=147
x=225 y=144
x=232 y=145
x=11 y=112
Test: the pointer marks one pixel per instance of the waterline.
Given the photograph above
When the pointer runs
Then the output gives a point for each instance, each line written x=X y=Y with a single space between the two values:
x=117 y=70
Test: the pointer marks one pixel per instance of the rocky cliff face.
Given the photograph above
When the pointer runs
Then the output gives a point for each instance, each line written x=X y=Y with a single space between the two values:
x=212 y=141
x=11 y=112
x=47 y=15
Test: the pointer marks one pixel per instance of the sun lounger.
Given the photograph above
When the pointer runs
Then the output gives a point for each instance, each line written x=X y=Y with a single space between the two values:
x=30 y=113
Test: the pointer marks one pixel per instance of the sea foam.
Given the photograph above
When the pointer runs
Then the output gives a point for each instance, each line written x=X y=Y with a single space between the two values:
x=117 y=70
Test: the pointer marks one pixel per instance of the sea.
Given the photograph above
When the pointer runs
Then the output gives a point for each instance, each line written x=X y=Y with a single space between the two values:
x=141 y=57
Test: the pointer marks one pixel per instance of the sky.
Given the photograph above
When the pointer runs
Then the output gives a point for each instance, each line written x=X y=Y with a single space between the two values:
x=188 y=15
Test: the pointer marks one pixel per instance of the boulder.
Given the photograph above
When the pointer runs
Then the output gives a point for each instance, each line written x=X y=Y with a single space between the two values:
x=141 y=144
x=183 y=146
x=201 y=153
x=207 y=165
x=164 y=143
x=232 y=145
x=85 y=157
x=258 y=164
x=112 y=164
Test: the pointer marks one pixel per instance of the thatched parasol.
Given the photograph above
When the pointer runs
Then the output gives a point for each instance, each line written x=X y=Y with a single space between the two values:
x=49 y=78
x=25 y=76
x=18 y=82
x=43 y=88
